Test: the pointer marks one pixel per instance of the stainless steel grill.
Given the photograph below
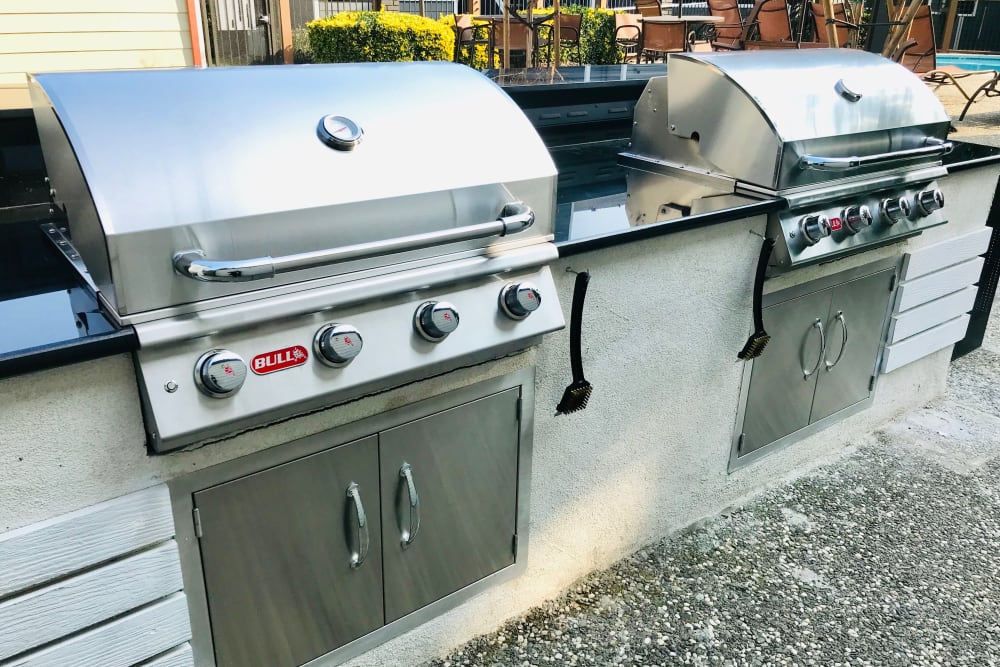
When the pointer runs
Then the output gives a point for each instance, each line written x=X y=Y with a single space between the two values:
x=851 y=141
x=253 y=220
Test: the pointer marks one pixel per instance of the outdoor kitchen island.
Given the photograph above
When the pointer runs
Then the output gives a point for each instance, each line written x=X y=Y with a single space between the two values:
x=668 y=308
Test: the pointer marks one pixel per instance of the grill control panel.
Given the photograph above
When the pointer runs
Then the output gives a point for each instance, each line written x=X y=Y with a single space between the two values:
x=318 y=359
x=852 y=224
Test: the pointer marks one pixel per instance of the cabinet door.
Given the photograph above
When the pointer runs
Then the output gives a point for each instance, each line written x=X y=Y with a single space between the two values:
x=276 y=550
x=855 y=325
x=780 y=397
x=463 y=467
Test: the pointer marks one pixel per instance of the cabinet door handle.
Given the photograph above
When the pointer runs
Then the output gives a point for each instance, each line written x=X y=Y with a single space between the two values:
x=409 y=533
x=358 y=557
x=818 y=324
x=843 y=346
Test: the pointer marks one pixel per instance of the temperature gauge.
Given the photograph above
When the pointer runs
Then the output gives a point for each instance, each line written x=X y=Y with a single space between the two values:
x=340 y=132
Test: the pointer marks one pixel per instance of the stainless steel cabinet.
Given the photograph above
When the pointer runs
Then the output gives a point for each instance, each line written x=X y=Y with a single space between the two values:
x=825 y=341
x=462 y=469
x=306 y=556
x=277 y=549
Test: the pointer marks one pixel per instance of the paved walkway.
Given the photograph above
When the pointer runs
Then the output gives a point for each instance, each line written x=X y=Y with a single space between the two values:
x=890 y=556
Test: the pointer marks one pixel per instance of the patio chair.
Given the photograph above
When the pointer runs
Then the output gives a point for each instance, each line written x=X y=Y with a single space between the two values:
x=729 y=33
x=648 y=7
x=768 y=26
x=628 y=34
x=569 y=37
x=470 y=34
x=845 y=29
x=519 y=38
x=919 y=55
x=659 y=39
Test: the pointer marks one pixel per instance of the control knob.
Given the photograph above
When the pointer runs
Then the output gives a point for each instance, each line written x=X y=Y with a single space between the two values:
x=220 y=373
x=856 y=218
x=337 y=344
x=929 y=201
x=814 y=228
x=895 y=209
x=518 y=300
x=434 y=320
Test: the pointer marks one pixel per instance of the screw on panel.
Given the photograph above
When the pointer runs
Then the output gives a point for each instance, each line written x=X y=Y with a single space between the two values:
x=170 y=387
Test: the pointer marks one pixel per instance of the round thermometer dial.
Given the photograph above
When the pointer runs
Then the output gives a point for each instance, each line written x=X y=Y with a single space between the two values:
x=340 y=132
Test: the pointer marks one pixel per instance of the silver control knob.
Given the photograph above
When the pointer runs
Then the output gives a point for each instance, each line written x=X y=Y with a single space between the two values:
x=929 y=201
x=814 y=228
x=336 y=344
x=220 y=373
x=518 y=300
x=856 y=218
x=895 y=209
x=434 y=320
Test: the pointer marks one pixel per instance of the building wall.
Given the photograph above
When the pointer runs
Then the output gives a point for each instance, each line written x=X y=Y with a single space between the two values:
x=65 y=35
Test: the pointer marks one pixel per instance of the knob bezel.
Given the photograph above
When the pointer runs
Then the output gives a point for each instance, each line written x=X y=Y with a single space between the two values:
x=863 y=213
x=902 y=205
x=423 y=330
x=201 y=365
x=333 y=329
x=823 y=224
x=511 y=289
x=936 y=201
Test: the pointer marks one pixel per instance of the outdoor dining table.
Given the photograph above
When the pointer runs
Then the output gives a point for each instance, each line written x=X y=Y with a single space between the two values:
x=690 y=22
x=532 y=19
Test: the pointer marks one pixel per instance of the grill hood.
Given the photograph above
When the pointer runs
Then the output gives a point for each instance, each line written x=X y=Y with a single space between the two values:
x=229 y=162
x=756 y=116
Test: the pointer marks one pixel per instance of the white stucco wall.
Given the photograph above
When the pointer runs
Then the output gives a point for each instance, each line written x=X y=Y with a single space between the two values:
x=664 y=320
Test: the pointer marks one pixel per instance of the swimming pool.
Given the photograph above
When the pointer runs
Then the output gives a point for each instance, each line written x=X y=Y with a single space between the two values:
x=971 y=61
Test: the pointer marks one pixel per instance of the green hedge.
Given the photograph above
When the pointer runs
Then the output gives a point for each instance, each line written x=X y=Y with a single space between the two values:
x=353 y=37
x=597 y=35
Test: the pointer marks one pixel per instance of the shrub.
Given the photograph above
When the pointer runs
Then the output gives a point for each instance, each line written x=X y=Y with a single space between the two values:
x=352 y=37
x=597 y=35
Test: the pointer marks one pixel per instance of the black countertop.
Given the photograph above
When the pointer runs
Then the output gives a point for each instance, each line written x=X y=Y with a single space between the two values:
x=51 y=318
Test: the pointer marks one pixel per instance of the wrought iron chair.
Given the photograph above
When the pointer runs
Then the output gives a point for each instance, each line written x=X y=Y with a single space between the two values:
x=659 y=39
x=569 y=37
x=846 y=31
x=469 y=35
x=628 y=34
x=648 y=7
x=768 y=26
x=729 y=33
x=518 y=38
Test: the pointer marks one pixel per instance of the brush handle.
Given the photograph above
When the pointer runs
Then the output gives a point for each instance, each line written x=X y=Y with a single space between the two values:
x=758 y=284
x=576 y=324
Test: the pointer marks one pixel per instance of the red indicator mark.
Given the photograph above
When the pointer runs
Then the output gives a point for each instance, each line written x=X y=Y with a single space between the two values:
x=836 y=224
x=447 y=316
x=348 y=341
x=228 y=370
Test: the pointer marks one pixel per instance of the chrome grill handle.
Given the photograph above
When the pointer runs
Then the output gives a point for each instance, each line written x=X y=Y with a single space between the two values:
x=820 y=163
x=818 y=324
x=515 y=217
x=358 y=557
x=410 y=533
x=843 y=346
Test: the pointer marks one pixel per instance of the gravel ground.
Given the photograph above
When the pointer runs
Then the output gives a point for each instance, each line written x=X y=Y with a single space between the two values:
x=890 y=556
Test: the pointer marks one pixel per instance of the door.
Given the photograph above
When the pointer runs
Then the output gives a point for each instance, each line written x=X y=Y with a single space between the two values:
x=279 y=551
x=854 y=333
x=242 y=32
x=449 y=500
x=783 y=379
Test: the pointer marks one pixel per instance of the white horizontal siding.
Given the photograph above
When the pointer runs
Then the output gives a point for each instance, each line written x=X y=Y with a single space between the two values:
x=70 y=42
x=90 y=6
x=182 y=656
x=67 y=544
x=919 y=346
x=70 y=605
x=122 y=642
x=947 y=253
x=913 y=293
x=929 y=315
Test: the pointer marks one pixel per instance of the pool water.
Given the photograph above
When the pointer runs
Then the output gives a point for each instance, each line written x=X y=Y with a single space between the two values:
x=969 y=61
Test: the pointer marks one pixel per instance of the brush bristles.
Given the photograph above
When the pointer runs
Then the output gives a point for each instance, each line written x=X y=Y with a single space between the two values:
x=754 y=346
x=574 y=398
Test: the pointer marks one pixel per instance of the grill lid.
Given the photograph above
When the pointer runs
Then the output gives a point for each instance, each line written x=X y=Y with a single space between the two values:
x=761 y=116
x=258 y=163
